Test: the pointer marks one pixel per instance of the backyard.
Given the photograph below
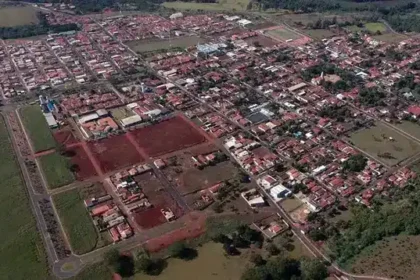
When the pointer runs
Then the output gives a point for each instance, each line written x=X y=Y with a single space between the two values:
x=384 y=143
x=76 y=220
x=56 y=170
x=22 y=254
x=19 y=15
x=37 y=128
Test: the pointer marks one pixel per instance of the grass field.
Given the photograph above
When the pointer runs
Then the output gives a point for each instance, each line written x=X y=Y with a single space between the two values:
x=56 y=170
x=391 y=37
x=140 y=46
x=318 y=34
x=13 y=16
x=394 y=257
x=22 y=254
x=375 y=27
x=377 y=142
x=221 y=5
x=411 y=128
x=37 y=128
x=282 y=34
x=76 y=220
x=96 y=271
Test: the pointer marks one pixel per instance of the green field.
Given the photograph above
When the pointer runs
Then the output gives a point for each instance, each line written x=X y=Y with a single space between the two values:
x=37 y=128
x=221 y=5
x=13 y=16
x=376 y=26
x=391 y=37
x=384 y=143
x=22 y=254
x=76 y=220
x=140 y=46
x=282 y=34
x=97 y=271
x=318 y=34
x=56 y=169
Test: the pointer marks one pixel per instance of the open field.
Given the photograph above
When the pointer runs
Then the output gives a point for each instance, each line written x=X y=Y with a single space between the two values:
x=153 y=189
x=391 y=37
x=77 y=223
x=13 y=16
x=56 y=169
x=376 y=26
x=194 y=179
x=140 y=46
x=168 y=136
x=85 y=168
x=221 y=5
x=22 y=254
x=409 y=127
x=114 y=152
x=385 y=143
x=64 y=137
x=96 y=271
x=282 y=34
x=394 y=257
x=318 y=34
x=37 y=128
x=222 y=267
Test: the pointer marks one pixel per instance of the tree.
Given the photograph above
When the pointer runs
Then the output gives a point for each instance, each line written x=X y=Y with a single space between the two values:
x=124 y=266
x=355 y=163
x=257 y=259
x=313 y=269
x=273 y=249
x=181 y=251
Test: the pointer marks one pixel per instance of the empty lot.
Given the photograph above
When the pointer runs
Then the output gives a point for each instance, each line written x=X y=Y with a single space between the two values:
x=20 y=15
x=140 y=46
x=384 y=143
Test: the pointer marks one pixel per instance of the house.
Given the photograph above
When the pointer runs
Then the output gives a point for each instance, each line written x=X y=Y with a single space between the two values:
x=253 y=198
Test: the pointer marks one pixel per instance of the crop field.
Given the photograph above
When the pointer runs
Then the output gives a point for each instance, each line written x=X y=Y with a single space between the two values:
x=114 y=153
x=384 y=143
x=37 y=128
x=56 y=170
x=140 y=46
x=13 y=16
x=221 y=5
x=22 y=254
x=153 y=189
x=76 y=220
x=168 y=136
x=80 y=158
x=395 y=258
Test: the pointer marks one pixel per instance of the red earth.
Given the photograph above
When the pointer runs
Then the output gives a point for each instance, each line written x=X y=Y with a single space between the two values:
x=65 y=137
x=80 y=157
x=167 y=136
x=114 y=153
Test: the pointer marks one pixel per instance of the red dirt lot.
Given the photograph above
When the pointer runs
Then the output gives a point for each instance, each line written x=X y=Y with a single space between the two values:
x=114 y=153
x=86 y=168
x=65 y=137
x=168 y=136
x=159 y=198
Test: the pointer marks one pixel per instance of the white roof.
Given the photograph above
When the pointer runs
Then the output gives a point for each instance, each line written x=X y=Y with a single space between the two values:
x=130 y=120
x=50 y=119
x=88 y=118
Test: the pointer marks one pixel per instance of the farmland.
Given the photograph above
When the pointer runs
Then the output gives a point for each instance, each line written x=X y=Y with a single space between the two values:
x=56 y=169
x=114 y=152
x=140 y=46
x=37 y=128
x=76 y=221
x=394 y=257
x=222 y=5
x=21 y=253
x=168 y=136
x=387 y=144
x=13 y=16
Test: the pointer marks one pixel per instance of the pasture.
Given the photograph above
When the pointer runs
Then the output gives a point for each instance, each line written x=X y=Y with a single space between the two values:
x=18 y=15
x=384 y=143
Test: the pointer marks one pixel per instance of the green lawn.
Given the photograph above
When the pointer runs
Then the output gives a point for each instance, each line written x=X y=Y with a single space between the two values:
x=56 y=169
x=76 y=220
x=37 y=128
x=22 y=254
x=14 y=16
x=97 y=271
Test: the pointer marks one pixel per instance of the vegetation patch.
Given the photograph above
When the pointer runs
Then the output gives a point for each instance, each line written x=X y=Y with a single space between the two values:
x=56 y=170
x=96 y=271
x=382 y=142
x=376 y=27
x=140 y=46
x=19 y=15
x=37 y=128
x=22 y=253
x=222 y=5
x=76 y=221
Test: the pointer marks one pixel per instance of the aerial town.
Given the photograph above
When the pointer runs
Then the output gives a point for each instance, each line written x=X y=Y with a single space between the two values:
x=251 y=121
